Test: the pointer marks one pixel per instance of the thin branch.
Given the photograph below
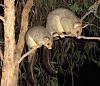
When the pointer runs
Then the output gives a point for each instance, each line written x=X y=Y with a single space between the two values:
x=1 y=55
x=1 y=42
x=86 y=15
x=90 y=25
x=1 y=5
x=26 y=54
x=92 y=9
x=85 y=26
x=83 y=37
x=2 y=18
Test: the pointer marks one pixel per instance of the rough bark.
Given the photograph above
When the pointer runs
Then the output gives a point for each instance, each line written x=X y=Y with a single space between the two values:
x=8 y=70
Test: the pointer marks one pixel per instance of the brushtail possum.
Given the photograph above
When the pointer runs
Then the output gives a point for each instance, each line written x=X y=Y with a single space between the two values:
x=36 y=37
x=62 y=22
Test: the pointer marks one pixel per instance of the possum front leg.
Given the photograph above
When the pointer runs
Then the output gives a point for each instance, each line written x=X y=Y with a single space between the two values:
x=46 y=62
x=31 y=64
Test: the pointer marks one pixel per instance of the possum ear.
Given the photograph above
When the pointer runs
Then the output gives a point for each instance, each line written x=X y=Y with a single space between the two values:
x=78 y=24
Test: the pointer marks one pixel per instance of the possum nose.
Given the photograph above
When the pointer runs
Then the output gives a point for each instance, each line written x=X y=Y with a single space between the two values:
x=49 y=46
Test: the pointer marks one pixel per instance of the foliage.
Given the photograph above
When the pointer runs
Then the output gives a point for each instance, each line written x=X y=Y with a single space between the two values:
x=68 y=53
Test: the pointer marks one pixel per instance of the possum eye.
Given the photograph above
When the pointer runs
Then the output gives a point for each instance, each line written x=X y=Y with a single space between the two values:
x=64 y=32
x=48 y=43
x=77 y=32
x=54 y=33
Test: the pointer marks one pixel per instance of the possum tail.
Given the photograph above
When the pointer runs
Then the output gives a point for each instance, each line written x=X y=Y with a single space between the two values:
x=46 y=62
x=30 y=66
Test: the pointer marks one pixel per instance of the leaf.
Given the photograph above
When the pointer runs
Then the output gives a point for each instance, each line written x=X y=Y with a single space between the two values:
x=68 y=46
x=75 y=8
x=98 y=17
x=54 y=83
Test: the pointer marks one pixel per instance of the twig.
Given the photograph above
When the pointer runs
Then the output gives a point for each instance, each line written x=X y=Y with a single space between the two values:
x=85 y=26
x=1 y=5
x=1 y=42
x=90 y=25
x=92 y=9
x=86 y=15
x=2 y=18
x=26 y=54
x=1 y=54
x=83 y=37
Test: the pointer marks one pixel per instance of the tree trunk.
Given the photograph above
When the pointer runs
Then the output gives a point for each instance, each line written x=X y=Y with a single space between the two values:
x=8 y=70
x=12 y=52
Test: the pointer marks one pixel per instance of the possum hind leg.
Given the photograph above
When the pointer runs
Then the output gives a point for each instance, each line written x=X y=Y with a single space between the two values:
x=57 y=26
x=30 y=67
x=30 y=41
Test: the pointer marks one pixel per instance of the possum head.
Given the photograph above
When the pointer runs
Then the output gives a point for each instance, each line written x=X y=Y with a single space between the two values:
x=48 y=42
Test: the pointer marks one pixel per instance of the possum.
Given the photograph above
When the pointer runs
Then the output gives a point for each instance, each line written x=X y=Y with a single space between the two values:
x=38 y=36
x=62 y=22
x=35 y=38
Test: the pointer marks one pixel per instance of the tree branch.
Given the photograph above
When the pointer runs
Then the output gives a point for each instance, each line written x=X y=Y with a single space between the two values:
x=83 y=37
x=1 y=54
x=8 y=69
x=86 y=15
x=92 y=9
x=26 y=54
x=1 y=5
x=23 y=29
